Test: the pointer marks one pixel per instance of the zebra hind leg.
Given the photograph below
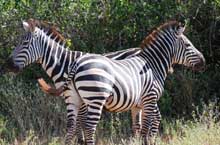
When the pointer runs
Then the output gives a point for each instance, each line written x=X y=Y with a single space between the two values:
x=73 y=102
x=93 y=117
x=79 y=132
x=71 y=123
x=80 y=124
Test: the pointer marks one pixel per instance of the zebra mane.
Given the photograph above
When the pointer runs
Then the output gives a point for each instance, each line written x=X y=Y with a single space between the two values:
x=49 y=28
x=154 y=33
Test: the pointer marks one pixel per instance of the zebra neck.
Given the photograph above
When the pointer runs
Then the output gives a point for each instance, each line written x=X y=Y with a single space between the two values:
x=56 y=60
x=159 y=61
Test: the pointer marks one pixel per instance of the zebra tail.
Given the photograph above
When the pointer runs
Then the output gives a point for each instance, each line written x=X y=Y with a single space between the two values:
x=48 y=89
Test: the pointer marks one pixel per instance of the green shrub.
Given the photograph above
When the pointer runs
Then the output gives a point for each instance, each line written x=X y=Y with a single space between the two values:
x=25 y=107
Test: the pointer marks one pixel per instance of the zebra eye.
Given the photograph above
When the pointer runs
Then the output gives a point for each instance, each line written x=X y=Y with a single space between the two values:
x=35 y=34
x=187 y=45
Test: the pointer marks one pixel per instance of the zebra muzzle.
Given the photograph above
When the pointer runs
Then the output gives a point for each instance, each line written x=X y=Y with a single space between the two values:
x=9 y=66
x=200 y=66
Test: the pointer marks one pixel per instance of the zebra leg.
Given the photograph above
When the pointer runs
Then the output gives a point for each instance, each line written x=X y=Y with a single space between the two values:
x=93 y=117
x=155 y=124
x=80 y=124
x=149 y=103
x=73 y=104
x=145 y=125
x=136 y=121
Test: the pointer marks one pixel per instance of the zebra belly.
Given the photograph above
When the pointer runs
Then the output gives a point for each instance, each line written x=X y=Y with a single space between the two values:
x=117 y=104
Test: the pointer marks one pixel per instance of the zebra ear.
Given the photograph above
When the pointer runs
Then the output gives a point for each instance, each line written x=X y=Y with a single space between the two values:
x=26 y=26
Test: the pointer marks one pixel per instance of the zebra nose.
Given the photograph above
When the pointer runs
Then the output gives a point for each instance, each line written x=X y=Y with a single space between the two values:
x=10 y=62
x=10 y=65
x=200 y=66
x=202 y=61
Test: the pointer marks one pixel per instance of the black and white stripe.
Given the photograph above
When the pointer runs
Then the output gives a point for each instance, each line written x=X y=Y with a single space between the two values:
x=45 y=45
x=137 y=82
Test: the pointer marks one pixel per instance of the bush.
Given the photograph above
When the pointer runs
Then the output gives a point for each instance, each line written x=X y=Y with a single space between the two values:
x=25 y=107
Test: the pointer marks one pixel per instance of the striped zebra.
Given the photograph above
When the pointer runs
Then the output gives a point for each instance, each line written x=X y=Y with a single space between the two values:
x=45 y=45
x=137 y=82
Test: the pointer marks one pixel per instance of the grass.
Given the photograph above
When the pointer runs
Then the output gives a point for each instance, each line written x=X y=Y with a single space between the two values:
x=32 y=118
x=176 y=133
x=194 y=134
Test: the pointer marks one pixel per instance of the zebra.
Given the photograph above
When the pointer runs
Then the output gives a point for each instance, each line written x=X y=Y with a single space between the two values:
x=137 y=82
x=42 y=43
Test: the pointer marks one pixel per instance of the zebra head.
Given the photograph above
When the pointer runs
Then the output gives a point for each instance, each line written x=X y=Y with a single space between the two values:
x=185 y=53
x=28 y=51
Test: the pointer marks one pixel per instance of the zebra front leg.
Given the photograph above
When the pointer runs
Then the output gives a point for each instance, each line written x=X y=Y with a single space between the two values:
x=93 y=117
x=148 y=103
x=155 y=124
x=73 y=104
x=146 y=124
x=136 y=121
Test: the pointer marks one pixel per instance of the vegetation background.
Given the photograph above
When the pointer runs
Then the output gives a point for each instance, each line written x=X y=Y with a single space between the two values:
x=99 y=26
